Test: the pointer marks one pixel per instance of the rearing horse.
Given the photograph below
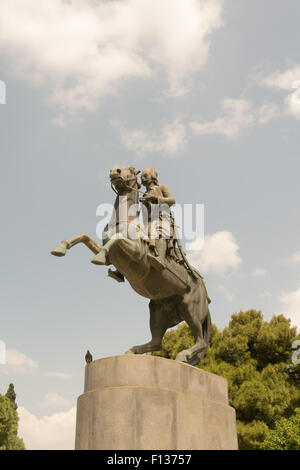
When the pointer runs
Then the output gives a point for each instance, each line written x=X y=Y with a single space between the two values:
x=175 y=295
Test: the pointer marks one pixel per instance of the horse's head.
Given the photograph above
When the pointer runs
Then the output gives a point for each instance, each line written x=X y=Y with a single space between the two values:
x=124 y=178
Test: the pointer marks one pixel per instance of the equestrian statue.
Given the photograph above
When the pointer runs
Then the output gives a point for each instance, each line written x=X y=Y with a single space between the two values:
x=151 y=259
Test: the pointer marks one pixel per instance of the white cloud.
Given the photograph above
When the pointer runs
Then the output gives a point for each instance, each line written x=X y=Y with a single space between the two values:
x=238 y=115
x=296 y=258
x=266 y=295
x=55 y=432
x=54 y=400
x=265 y=113
x=292 y=103
x=170 y=140
x=18 y=363
x=290 y=302
x=293 y=259
x=219 y=254
x=289 y=80
x=58 y=375
x=282 y=80
x=259 y=272
x=87 y=49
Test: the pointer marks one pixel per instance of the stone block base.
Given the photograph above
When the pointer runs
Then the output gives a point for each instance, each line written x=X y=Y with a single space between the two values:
x=135 y=402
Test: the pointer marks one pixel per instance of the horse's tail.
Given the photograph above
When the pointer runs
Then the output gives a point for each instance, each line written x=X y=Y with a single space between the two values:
x=206 y=327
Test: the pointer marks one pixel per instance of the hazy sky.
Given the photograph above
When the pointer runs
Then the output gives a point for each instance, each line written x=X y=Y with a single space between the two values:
x=206 y=92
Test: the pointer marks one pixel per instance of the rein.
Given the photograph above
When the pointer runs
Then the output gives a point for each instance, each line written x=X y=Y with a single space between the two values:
x=125 y=185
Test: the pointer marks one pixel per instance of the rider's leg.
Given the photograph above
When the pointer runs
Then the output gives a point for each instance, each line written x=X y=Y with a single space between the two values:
x=157 y=261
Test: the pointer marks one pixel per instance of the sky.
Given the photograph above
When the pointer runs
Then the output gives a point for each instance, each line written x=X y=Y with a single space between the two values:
x=205 y=91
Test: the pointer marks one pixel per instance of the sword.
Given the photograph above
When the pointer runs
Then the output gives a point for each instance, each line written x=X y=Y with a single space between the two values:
x=186 y=263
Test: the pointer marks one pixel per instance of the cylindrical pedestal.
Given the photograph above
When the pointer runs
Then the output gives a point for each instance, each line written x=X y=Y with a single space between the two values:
x=145 y=402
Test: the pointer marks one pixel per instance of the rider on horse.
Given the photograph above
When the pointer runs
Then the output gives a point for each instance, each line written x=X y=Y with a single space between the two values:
x=158 y=199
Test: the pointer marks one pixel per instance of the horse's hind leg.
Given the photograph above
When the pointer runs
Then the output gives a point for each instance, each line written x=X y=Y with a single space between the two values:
x=159 y=323
x=65 y=245
x=191 y=312
x=193 y=355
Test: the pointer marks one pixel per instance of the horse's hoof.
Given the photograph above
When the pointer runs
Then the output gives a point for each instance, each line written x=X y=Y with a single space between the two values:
x=99 y=259
x=60 y=250
x=183 y=356
x=129 y=352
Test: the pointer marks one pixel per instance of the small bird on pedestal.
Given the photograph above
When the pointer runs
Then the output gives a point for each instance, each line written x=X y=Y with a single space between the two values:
x=88 y=357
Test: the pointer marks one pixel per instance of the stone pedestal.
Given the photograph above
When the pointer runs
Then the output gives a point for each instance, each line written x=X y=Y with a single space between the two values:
x=144 y=402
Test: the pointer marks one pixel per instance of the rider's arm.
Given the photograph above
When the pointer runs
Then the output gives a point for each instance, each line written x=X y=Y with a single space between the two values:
x=168 y=197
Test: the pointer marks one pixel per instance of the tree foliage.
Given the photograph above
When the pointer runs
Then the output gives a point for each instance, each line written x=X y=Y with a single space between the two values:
x=11 y=394
x=285 y=435
x=9 y=418
x=252 y=355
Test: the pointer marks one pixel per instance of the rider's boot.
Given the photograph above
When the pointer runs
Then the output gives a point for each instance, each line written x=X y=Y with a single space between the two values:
x=156 y=262
x=154 y=257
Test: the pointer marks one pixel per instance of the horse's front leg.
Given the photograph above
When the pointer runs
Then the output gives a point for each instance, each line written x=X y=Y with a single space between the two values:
x=65 y=245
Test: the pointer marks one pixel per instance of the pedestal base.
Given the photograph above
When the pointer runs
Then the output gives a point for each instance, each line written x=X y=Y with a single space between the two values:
x=139 y=402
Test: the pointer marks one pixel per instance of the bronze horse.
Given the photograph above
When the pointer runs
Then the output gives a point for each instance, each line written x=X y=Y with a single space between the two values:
x=176 y=294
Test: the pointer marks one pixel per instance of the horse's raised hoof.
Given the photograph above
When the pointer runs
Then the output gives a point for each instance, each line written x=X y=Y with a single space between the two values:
x=60 y=250
x=100 y=258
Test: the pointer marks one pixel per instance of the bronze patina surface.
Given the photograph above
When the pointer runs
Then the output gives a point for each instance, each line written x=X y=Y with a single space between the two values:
x=153 y=262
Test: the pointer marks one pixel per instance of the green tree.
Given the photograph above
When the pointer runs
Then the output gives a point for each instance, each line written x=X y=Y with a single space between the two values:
x=285 y=435
x=253 y=356
x=11 y=394
x=9 y=418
